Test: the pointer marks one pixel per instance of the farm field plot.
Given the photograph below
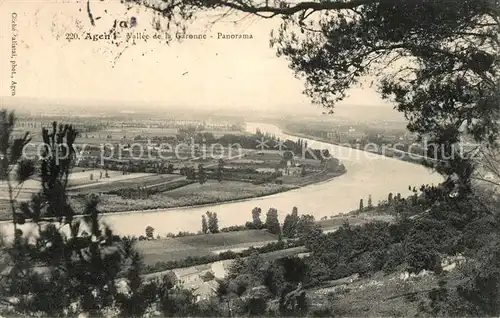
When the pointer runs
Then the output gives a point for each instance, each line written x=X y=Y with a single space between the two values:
x=210 y=186
x=264 y=156
x=339 y=221
x=77 y=178
x=126 y=181
x=247 y=162
x=199 y=245
x=118 y=133
x=228 y=239
x=193 y=194
x=225 y=190
x=82 y=177
x=220 y=267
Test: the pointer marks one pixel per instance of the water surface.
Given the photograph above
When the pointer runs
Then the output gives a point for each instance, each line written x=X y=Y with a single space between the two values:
x=367 y=174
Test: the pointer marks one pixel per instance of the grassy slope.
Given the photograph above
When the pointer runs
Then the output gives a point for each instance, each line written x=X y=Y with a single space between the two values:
x=380 y=295
x=171 y=249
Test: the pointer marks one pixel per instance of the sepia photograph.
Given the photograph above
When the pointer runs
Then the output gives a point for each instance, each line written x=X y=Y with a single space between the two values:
x=236 y=158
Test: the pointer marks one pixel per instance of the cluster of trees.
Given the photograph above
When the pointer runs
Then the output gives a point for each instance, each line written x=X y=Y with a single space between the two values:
x=189 y=172
x=445 y=225
x=129 y=166
x=298 y=227
x=454 y=225
x=210 y=226
x=195 y=174
x=369 y=204
x=294 y=226
x=396 y=202
x=257 y=287
x=265 y=178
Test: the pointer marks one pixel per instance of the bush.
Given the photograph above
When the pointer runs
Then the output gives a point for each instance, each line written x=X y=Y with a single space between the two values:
x=235 y=228
x=420 y=255
x=395 y=257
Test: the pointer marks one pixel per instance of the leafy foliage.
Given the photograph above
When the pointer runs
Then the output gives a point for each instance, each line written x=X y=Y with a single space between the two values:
x=290 y=223
x=256 y=221
x=213 y=222
x=204 y=225
x=272 y=223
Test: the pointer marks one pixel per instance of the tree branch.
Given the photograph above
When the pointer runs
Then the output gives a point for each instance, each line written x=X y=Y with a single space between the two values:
x=302 y=6
x=272 y=11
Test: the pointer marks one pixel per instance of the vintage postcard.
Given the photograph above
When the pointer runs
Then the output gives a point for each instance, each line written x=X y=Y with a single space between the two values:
x=249 y=158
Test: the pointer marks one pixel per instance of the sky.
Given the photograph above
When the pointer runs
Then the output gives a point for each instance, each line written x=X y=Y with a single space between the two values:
x=207 y=74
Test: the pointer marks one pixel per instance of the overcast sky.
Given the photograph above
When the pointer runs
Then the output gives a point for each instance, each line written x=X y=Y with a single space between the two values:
x=208 y=73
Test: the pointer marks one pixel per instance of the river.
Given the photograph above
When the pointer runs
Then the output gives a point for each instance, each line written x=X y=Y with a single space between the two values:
x=367 y=174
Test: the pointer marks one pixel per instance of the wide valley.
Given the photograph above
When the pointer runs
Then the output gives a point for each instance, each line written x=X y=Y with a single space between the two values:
x=367 y=175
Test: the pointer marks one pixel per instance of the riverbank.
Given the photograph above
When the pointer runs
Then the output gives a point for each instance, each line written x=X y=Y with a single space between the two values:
x=192 y=196
x=387 y=152
x=208 y=194
x=366 y=177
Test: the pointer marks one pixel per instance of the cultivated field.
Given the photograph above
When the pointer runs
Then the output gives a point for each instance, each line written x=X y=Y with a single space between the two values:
x=193 y=194
x=171 y=249
x=132 y=180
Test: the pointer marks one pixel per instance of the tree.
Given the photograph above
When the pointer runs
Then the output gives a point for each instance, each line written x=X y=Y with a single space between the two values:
x=170 y=168
x=290 y=224
x=439 y=69
x=202 y=177
x=76 y=268
x=312 y=236
x=204 y=225
x=189 y=172
x=370 y=204
x=220 y=169
x=150 y=231
x=303 y=171
x=256 y=212
x=287 y=155
x=272 y=222
x=213 y=222
x=389 y=198
x=360 y=205
x=11 y=152
x=305 y=224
